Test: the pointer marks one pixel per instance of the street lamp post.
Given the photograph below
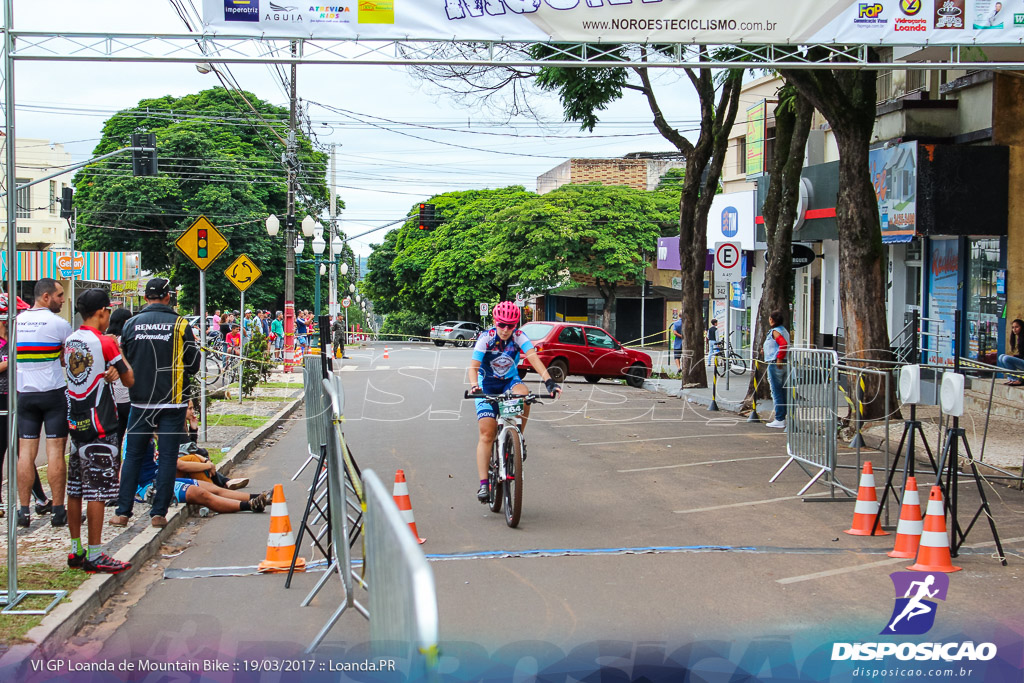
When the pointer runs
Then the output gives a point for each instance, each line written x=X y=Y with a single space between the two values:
x=319 y=244
x=293 y=245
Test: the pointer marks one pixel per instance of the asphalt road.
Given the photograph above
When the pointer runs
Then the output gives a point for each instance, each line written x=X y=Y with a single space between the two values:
x=612 y=473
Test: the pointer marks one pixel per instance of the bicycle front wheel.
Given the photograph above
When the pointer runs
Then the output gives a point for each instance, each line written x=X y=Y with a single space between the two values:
x=737 y=364
x=494 y=480
x=721 y=365
x=513 y=478
x=212 y=371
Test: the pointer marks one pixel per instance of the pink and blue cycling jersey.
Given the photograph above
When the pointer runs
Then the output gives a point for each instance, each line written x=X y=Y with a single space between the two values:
x=499 y=359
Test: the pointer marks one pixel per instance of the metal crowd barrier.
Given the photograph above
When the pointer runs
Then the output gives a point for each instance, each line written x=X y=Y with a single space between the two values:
x=317 y=412
x=812 y=416
x=403 y=601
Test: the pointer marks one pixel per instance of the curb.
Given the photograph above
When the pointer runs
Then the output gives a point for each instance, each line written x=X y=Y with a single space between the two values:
x=67 y=617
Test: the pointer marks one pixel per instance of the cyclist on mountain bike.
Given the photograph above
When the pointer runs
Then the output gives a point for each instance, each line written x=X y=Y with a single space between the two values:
x=494 y=371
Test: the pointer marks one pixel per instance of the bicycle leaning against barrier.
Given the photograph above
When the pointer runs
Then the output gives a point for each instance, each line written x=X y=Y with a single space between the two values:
x=505 y=469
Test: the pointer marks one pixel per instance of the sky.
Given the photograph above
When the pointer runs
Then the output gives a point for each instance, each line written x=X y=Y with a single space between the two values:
x=399 y=140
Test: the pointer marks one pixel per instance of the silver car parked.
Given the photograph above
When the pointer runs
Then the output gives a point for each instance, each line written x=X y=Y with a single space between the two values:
x=458 y=332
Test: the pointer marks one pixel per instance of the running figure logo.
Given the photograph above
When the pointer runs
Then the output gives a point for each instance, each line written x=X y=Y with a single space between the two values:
x=914 y=612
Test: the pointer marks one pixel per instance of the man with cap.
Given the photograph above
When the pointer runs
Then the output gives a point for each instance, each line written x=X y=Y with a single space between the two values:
x=161 y=348
x=42 y=406
x=92 y=361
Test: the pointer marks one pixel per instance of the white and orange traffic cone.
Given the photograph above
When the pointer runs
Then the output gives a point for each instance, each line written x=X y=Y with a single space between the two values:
x=933 y=552
x=281 y=542
x=401 y=495
x=866 y=510
x=385 y=358
x=908 y=531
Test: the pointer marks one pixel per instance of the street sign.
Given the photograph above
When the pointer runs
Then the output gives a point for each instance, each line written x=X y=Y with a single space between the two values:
x=346 y=302
x=727 y=262
x=721 y=290
x=243 y=272
x=483 y=310
x=802 y=256
x=202 y=243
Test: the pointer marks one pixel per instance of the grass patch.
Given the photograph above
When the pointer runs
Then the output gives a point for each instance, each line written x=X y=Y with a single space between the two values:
x=264 y=399
x=251 y=421
x=281 y=385
x=35 y=576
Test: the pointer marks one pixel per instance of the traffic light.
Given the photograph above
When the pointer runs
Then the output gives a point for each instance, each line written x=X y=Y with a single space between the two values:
x=66 y=194
x=144 y=163
x=428 y=219
x=202 y=243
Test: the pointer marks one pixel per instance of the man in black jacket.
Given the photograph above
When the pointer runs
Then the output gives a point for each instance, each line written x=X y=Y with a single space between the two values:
x=162 y=350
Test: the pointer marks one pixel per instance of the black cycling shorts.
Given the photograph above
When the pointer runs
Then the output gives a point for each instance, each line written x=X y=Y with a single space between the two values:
x=39 y=408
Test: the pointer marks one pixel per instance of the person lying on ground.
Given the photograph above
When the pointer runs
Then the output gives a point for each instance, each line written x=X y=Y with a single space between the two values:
x=205 y=494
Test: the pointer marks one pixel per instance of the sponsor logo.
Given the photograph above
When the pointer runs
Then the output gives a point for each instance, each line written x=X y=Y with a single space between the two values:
x=914 y=614
x=869 y=10
x=902 y=24
x=327 y=12
x=949 y=14
x=870 y=14
x=241 y=10
x=910 y=7
x=79 y=361
x=283 y=13
x=1018 y=19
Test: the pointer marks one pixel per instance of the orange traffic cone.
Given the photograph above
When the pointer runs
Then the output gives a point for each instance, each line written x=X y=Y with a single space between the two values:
x=908 y=531
x=281 y=542
x=385 y=358
x=933 y=553
x=402 y=501
x=866 y=509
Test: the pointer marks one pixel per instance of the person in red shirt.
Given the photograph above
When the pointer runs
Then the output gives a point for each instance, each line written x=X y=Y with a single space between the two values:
x=92 y=361
x=234 y=340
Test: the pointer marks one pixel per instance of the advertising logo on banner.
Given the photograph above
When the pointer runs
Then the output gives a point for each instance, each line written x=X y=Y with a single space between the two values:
x=942 y=299
x=796 y=22
x=894 y=176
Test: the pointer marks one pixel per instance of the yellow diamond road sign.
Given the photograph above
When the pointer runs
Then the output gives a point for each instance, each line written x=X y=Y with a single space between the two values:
x=243 y=272
x=202 y=243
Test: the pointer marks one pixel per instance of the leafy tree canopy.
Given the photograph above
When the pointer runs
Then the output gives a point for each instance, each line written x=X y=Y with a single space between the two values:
x=218 y=159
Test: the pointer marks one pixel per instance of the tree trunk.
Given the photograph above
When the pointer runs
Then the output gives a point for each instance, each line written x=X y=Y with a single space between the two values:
x=607 y=292
x=792 y=126
x=847 y=100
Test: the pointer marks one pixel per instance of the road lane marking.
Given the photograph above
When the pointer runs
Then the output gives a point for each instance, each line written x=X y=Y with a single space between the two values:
x=676 y=438
x=750 y=502
x=870 y=565
x=706 y=462
x=382 y=367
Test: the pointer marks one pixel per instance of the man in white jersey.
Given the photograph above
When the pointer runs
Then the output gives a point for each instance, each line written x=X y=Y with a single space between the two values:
x=41 y=401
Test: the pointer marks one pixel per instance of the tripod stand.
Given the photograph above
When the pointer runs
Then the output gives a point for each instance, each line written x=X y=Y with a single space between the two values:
x=911 y=428
x=949 y=462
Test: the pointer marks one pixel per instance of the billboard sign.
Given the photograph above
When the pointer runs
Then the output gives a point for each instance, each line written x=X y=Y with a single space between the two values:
x=757 y=117
x=894 y=176
x=797 y=22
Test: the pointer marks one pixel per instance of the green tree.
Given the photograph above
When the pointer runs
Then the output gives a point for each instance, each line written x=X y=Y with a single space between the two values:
x=215 y=159
x=589 y=231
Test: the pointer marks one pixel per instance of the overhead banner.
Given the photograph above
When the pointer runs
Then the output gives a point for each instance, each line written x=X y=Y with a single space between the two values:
x=796 y=22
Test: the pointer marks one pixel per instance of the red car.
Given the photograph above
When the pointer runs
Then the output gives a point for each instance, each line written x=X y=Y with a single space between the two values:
x=577 y=349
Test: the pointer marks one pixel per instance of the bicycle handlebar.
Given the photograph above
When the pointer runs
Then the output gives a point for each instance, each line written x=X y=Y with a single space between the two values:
x=529 y=398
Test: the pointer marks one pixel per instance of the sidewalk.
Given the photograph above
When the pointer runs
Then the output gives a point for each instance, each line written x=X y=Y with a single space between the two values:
x=730 y=399
x=235 y=431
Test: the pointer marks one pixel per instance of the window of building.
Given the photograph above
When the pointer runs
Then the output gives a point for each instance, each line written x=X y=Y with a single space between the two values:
x=53 y=197
x=23 y=206
x=984 y=302
x=741 y=155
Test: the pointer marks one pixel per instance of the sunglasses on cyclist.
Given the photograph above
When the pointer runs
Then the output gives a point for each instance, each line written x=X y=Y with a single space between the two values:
x=506 y=326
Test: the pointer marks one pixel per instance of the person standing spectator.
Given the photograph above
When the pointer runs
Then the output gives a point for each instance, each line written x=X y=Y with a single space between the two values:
x=92 y=360
x=277 y=329
x=300 y=331
x=713 y=346
x=776 y=346
x=42 y=504
x=162 y=350
x=122 y=399
x=225 y=325
x=338 y=336
x=41 y=399
x=676 y=333
x=215 y=318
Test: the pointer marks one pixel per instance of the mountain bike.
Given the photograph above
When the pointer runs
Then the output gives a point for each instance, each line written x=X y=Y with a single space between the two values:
x=505 y=470
x=727 y=359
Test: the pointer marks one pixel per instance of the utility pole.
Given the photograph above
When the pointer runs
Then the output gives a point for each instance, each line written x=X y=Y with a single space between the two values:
x=291 y=163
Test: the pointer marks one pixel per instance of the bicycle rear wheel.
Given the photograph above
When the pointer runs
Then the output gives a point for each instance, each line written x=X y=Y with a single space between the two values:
x=494 y=480
x=513 y=477
x=721 y=364
x=737 y=365
x=212 y=370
